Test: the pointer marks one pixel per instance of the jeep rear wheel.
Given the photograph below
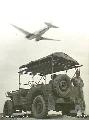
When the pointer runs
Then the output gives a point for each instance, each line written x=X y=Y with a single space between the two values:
x=65 y=112
x=8 y=108
x=39 y=107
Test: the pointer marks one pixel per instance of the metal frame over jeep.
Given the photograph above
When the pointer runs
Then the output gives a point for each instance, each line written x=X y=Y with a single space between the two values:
x=58 y=95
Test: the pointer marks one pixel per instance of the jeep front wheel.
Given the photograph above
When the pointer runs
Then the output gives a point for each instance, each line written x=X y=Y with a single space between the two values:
x=8 y=108
x=39 y=107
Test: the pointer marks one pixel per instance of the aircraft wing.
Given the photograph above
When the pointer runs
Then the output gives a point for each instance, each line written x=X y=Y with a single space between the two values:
x=20 y=29
x=44 y=38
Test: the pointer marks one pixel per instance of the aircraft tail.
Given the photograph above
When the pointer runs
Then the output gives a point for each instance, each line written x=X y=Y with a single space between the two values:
x=50 y=25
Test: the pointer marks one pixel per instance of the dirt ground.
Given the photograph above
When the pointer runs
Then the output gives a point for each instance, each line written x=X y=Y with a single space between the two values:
x=50 y=117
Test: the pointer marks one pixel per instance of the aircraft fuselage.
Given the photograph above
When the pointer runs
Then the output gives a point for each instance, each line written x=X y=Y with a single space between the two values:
x=38 y=34
x=41 y=32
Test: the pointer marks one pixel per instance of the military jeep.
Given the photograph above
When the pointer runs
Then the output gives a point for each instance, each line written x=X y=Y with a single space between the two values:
x=57 y=95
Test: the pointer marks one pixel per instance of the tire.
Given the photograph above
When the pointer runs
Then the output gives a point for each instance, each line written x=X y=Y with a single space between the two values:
x=39 y=107
x=65 y=112
x=8 y=108
x=62 y=85
x=66 y=109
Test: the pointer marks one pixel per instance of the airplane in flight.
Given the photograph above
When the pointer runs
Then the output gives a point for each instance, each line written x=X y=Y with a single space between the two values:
x=37 y=35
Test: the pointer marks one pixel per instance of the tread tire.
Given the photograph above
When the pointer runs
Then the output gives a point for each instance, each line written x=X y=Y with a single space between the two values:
x=39 y=107
x=62 y=85
x=8 y=108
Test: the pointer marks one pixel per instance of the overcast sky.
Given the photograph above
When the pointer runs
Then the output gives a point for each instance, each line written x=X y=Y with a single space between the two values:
x=72 y=16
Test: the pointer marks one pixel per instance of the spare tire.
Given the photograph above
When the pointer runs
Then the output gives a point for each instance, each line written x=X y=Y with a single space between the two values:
x=62 y=85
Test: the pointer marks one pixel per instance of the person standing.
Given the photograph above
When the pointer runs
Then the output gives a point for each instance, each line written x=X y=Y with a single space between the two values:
x=78 y=82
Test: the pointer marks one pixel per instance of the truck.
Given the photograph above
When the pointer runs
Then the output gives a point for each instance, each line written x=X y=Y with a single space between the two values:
x=60 y=94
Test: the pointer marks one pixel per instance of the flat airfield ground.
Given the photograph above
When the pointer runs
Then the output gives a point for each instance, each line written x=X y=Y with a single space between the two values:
x=50 y=117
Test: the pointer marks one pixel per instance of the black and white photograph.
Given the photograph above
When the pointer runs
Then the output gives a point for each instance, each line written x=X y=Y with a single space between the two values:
x=44 y=59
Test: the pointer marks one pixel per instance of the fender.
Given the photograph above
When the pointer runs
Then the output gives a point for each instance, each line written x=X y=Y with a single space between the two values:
x=40 y=89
